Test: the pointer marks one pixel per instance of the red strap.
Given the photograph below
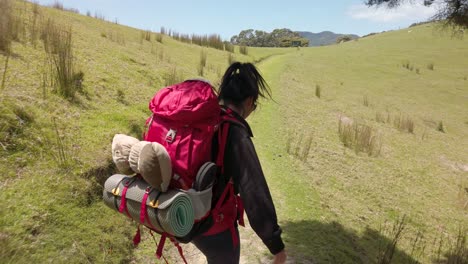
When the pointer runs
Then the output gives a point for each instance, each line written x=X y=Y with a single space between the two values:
x=179 y=248
x=154 y=239
x=147 y=125
x=222 y=140
x=240 y=210
x=161 y=245
x=143 y=211
x=123 y=201
x=235 y=239
x=137 y=237
x=228 y=190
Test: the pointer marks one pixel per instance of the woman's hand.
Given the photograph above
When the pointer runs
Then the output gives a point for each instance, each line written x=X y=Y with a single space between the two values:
x=280 y=258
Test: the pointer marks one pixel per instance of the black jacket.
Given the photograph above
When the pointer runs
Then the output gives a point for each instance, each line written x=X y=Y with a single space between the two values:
x=242 y=164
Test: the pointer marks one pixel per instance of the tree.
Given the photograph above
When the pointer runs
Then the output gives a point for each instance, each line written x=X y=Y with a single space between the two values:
x=454 y=12
x=343 y=38
x=278 y=38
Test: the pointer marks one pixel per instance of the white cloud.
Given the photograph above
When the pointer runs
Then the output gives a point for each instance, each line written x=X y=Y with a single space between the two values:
x=406 y=11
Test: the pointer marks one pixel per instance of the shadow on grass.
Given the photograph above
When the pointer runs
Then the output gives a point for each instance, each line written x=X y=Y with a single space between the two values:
x=316 y=242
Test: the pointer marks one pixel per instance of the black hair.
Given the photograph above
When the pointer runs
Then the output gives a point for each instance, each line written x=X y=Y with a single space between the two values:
x=241 y=81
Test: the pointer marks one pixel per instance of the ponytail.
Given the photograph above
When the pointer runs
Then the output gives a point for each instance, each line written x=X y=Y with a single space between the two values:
x=241 y=81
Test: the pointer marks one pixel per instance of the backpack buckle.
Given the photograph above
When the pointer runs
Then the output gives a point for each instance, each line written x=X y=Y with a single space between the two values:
x=219 y=218
x=170 y=136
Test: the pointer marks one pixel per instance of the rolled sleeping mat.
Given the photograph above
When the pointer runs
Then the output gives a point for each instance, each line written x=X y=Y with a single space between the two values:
x=121 y=146
x=152 y=161
x=171 y=212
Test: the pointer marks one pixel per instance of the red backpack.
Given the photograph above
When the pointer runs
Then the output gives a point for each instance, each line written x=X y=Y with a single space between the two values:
x=185 y=118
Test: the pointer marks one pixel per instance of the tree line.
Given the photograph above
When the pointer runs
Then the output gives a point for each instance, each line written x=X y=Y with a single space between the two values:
x=277 y=38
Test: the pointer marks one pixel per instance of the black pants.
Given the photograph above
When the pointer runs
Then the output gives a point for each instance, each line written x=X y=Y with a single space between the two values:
x=219 y=248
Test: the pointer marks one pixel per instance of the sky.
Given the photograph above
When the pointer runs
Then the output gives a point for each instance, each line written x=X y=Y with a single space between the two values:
x=228 y=18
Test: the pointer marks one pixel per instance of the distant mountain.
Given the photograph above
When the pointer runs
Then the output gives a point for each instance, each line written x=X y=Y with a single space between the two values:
x=322 y=38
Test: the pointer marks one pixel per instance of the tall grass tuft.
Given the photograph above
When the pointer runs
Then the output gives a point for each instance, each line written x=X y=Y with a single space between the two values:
x=57 y=5
x=318 y=91
x=243 y=50
x=365 y=101
x=61 y=154
x=6 y=25
x=58 y=45
x=159 y=37
x=146 y=35
x=404 y=123
x=299 y=145
x=121 y=97
x=359 y=137
x=203 y=56
x=5 y=69
x=231 y=59
x=440 y=127
x=173 y=77
x=387 y=249
x=34 y=26
x=381 y=118
x=430 y=66
x=458 y=249
x=202 y=62
x=228 y=47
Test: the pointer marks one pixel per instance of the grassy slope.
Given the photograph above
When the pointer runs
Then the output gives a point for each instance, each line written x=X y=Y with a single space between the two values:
x=334 y=207
x=330 y=206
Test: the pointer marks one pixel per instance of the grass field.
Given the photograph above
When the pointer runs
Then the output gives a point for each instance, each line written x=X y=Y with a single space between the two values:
x=335 y=204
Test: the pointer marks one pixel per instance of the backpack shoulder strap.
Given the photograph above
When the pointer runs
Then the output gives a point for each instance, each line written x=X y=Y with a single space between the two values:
x=227 y=118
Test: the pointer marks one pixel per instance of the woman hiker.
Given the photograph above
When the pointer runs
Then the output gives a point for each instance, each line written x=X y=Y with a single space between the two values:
x=241 y=87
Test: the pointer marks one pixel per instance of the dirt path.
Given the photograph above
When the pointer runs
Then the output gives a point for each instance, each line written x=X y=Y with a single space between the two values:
x=252 y=250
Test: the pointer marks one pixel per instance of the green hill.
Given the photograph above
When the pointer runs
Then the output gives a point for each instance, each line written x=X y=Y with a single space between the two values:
x=335 y=205
x=323 y=38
